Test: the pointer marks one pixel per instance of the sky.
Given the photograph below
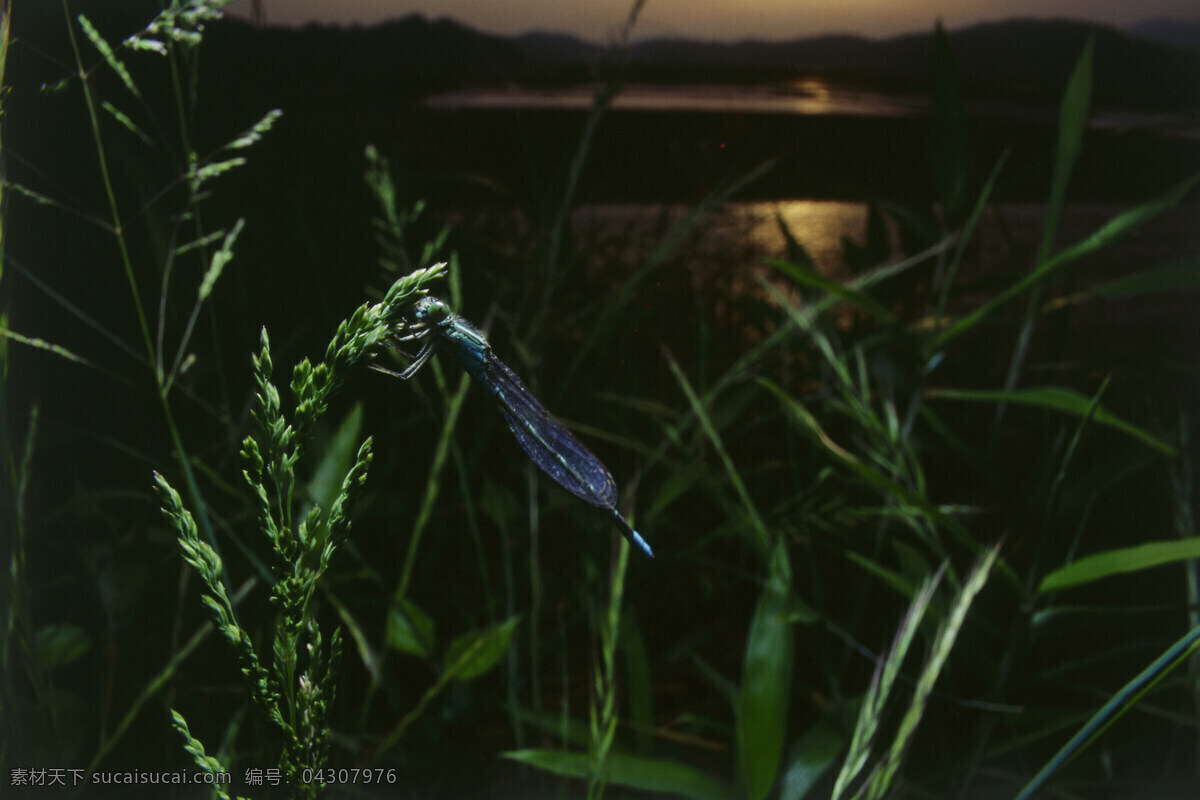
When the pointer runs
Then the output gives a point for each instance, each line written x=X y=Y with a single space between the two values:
x=726 y=20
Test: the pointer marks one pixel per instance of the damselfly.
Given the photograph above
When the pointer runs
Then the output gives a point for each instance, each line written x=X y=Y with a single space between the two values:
x=552 y=447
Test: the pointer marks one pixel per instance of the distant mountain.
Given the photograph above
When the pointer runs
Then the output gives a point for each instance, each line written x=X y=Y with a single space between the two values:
x=1035 y=47
x=1025 y=59
x=1011 y=56
x=540 y=46
x=1175 y=32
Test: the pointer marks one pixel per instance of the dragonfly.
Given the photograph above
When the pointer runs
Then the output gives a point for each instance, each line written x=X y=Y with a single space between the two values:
x=550 y=446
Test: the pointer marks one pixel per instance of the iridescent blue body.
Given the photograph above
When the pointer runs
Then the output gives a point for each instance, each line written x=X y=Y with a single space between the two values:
x=551 y=446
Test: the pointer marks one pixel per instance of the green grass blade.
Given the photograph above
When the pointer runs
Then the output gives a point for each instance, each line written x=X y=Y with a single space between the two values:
x=888 y=577
x=482 y=657
x=410 y=629
x=573 y=732
x=58 y=644
x=964 y=239
x=164 y=678
x=724 y=686
x=1119 y=561
x=870 y=712
x=1115 y=228
x=370 y=658
x=765 y=695
x=955 y=618
x=1121 y=702
x=454 y=404
x=639 y=685
x=336 y=461
x=614 y=307
x=632 y=772
x=1057 y=398
x=811 y=757
x=714 y=437
x=807 y=276
x=1175 y=275
x=1072 y=118
x=873 y=477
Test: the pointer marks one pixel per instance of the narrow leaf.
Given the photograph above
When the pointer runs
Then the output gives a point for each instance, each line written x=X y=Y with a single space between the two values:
x=409 y=629
x=1121 y=702
x=336 y=461
x=468 y=660
x=1177 y=274
x=811 y=757
x=59 y=644
x=807 y=276
x=1072 y=118
x=766 y=682
x=1120 y=560
x=1108 y=233
x=1057 y=399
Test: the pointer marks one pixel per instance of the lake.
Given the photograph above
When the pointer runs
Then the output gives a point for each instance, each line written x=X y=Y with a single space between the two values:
x=807 y=96
x=661 y=143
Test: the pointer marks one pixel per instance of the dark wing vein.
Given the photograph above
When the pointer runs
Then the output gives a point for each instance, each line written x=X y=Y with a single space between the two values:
x=544 y=439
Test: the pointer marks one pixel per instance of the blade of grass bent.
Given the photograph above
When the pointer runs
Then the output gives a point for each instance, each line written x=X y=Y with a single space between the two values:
x=1121 y=702
x=701 y=415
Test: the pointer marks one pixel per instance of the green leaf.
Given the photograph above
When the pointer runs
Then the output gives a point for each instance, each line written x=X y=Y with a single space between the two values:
x=632 y=646
x=807 y=276
x=327 y=478
x=727 y=688
x=811 y=757
x=366 y=653
x=409 y=629
x=894 y=580
x=710 y=430
x=1072 y=118
x=1057 y=399
x=645 y=774
x=574 y=732
x=475 y=652
x=1120 y=560
x=766 y=681
x=59 y=644
x=796 y=254
x=1176 y=655
x=804 y=419
x=1112 y=230
x=1176 y=274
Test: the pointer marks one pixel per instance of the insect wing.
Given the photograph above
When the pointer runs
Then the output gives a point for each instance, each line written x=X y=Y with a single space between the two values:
x=544 y=439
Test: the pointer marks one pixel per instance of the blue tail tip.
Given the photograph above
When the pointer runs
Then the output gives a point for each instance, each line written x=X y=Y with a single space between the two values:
x=640 y=542
x=629 y=533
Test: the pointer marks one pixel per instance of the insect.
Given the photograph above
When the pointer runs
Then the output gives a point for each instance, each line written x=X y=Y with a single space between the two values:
x=551 y=446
